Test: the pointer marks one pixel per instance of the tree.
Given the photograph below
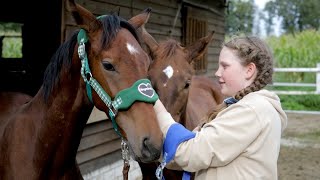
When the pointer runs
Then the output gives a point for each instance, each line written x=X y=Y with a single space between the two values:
x=240 y=16
x=296 y=15
x=9 y=27
x=268 y=16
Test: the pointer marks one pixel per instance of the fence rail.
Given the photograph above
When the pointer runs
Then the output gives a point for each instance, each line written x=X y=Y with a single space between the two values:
x=311 y=70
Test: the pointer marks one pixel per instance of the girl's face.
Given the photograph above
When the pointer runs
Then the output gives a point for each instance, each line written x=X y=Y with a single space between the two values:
x=233 y=76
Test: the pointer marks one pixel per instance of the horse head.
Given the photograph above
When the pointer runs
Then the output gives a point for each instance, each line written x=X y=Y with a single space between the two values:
x=172 y=67
x=114 y=71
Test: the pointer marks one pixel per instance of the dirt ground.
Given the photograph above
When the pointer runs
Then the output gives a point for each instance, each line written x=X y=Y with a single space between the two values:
x=300 y=148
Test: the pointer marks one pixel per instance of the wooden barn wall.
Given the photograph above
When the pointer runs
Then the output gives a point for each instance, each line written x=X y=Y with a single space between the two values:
x=162 y=24
x=216 y=22
x=100 y=144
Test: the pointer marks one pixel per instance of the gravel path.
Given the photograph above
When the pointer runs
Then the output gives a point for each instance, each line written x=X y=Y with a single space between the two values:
x=300 y=148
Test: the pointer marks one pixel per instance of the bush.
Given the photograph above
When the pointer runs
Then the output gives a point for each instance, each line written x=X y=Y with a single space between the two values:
x=12 y=48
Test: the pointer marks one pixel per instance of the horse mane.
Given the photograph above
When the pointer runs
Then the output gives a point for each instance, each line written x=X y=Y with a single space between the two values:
x=169 y=48
x=63 y=56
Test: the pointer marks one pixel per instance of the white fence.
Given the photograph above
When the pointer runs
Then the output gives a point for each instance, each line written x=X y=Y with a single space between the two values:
x=312 y=70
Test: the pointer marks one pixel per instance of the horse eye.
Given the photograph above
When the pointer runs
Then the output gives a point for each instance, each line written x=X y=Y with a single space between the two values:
x=187 y=84
x=108 y=66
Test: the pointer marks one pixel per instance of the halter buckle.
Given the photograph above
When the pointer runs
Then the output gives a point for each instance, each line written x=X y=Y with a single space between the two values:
x=82 y=50
x=88 y=76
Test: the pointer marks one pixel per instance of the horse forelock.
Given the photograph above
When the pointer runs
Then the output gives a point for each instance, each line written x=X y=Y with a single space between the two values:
x=61 y=58
x=167 y=49
x=111 y=26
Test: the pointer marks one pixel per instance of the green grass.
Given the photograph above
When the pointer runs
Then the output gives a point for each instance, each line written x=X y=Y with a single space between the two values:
x=309 y=102
x=300 y=102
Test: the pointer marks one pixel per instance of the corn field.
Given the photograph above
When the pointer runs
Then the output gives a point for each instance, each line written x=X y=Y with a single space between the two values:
x=293 y=51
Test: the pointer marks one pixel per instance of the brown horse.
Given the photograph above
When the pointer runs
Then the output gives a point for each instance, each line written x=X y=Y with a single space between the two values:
x=40 y=140
x=187 y=97
x=204 y=95
x=11 y=101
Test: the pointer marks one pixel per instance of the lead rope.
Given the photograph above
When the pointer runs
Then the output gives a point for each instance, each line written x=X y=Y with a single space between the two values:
x=159 y=171
x=126 y=158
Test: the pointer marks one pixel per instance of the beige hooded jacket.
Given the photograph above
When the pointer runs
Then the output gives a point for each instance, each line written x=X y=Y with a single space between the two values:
x=242 y=142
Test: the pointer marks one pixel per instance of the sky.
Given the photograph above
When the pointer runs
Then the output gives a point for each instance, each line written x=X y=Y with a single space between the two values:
x=260 y=3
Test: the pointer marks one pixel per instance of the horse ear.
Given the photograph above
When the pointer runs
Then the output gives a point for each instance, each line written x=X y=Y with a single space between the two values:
x=140 y=19
x=138 y=22
x=197 y=49
x=84 y=18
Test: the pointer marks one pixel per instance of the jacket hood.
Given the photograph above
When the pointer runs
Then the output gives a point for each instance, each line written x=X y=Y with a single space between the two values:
x=274 y=99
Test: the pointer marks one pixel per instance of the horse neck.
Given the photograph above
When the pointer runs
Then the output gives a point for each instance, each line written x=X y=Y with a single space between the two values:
x=63 y=118
x=204 y=95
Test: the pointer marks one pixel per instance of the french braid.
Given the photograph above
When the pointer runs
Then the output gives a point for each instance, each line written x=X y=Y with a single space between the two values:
x=249 y=49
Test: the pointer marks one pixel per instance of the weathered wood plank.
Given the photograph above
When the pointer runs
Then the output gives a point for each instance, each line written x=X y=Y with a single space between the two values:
x=166 y=3
x=154 y=18
x=97 y=139
x=217 y=21
x=97 y=127
x=102 y=161
x=217 y=29
x=213 y=50
x=98 y=151
x=96 y=115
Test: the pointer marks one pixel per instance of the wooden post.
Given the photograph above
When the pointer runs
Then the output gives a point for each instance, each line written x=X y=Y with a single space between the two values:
x=318 y=79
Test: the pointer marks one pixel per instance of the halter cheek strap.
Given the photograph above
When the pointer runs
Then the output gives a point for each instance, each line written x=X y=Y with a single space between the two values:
x=141 y=90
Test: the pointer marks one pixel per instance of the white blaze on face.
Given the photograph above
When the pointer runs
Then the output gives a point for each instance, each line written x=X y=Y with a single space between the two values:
x=131 y=49
x=168 y=71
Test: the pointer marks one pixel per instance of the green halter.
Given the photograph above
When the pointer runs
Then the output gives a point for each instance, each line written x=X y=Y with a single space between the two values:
x=141 y=90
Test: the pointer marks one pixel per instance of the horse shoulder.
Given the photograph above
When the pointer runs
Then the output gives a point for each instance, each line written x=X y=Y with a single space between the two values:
x=11 y=102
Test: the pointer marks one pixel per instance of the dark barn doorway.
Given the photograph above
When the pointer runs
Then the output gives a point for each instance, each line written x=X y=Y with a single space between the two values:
x=41 y=35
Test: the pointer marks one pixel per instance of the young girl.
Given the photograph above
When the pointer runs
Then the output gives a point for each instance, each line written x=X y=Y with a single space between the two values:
x=241 y=138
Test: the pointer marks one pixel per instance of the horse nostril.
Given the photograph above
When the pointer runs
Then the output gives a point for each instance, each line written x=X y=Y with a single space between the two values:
x=146 y=142
x=149 y=151
x=146 y=147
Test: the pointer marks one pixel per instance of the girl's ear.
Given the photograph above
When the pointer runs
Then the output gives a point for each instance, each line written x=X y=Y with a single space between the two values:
x=251 y=71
